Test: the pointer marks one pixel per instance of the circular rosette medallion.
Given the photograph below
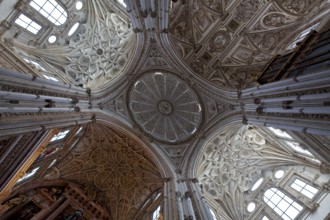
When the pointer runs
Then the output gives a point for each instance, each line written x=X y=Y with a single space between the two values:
x=165 y=107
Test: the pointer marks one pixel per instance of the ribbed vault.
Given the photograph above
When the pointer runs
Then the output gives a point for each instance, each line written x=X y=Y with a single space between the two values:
x=114 y=169
x=233 y=159
x=97 y=53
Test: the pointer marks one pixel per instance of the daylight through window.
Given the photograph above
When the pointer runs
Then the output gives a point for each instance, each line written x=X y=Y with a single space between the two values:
x=156 y=213
x=301 y=36
x=60 y=135
x=304 y=188
x=28 y=175
x=213 y=214
x=283 y=205
x=28 y=24
x=51 y=10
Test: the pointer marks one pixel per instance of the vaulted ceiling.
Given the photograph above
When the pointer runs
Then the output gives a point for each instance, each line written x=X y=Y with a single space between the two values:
x=114 y=169
x=164 y=84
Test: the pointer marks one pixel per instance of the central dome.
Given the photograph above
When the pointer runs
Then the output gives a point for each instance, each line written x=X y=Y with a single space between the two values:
x=165 y=107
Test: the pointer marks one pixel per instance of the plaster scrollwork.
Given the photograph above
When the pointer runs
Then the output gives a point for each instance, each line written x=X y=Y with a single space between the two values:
x=198 y=66
x=113 y=168
x=181 y=27
x=219 y=41
x=295 y=7
x=202 y=19
x=233 y=160
x=52 y=174
x=238 y=78
x=247 y=9
x=213 y=4
x=277 y=19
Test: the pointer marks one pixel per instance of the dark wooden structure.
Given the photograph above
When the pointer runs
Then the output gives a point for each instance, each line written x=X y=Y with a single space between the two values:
x=311 y=54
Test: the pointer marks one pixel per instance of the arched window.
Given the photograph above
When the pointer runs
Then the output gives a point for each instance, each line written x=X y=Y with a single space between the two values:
x=156 y=213
x=28 y=24
x=283 y=205
x=51 y=10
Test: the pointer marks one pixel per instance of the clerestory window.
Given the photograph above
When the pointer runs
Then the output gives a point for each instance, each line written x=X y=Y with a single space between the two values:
x=301 y=36
x=156 y=213
x=54 y=12
x=60 y=135
x=28 y=174
x=39 y=67
x=283 y=205
x=28 y=24
x=304 y=188
x=289 y=140
x=122 y=3
x=213 y=214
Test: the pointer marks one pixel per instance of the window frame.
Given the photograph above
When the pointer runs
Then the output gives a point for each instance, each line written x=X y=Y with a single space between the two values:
x=49 y=14
x=32 y=21
x=306 y=184
x=291 y=204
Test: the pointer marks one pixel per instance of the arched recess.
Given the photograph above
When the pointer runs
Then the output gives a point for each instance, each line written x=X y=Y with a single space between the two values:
x=232 y=159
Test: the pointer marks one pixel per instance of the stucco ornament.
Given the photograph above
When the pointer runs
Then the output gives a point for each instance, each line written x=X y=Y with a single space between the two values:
x=165 y=107
x=97 y=53
x=100 y=52
x=233 y=160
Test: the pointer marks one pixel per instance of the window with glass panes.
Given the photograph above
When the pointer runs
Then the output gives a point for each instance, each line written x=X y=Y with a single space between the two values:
x=28 y=24
x=304 y=188
x=283 y=205
x=51 y=10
